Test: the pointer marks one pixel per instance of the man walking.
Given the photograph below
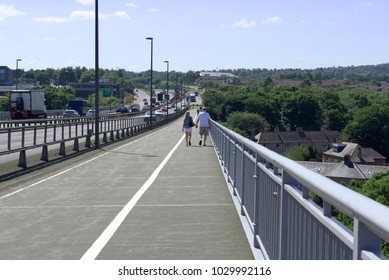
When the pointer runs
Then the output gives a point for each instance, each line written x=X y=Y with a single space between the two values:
x=205 y=124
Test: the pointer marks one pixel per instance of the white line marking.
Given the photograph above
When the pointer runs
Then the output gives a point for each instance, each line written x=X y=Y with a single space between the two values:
x=107 y=234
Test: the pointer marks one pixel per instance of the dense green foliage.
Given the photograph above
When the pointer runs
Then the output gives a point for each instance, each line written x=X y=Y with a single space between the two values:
x=356 y=113
x=301 y=153
x=246 y=123
x=377 y=188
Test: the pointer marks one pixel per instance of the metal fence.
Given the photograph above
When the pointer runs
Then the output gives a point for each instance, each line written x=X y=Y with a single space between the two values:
x=276 y=198
x=23 y=135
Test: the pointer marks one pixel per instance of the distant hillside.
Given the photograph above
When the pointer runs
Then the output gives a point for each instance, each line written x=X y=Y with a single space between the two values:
x=379 y=73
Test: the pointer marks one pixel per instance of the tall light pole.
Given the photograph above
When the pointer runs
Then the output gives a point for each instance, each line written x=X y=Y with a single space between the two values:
x=167 y=91
x=151 y=82
x=97 y=76
x=17 y=72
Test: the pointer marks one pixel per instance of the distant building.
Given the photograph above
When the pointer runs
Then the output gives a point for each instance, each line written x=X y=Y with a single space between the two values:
x=6 y=76
x=281 y=141
x=346 y=162
x=83 y=90
x=346 y=151
x=344 y=172
x=216 y=75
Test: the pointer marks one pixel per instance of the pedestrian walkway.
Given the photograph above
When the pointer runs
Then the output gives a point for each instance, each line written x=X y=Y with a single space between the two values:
x=151 y=198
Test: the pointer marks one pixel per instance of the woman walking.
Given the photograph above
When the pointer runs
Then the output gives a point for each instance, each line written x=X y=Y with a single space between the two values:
x=187 y=128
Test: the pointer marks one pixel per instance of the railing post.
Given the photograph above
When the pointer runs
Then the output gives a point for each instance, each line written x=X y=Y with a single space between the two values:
x=45 y=153
x=283 y=216
x=364 y=239
x=62 y=148
x=22 y=159
x=256 y=202
x=75 y=145
x=88 y=138
x=242 y=212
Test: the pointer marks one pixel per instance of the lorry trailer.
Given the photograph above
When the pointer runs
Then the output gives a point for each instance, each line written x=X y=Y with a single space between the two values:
x=27 y=104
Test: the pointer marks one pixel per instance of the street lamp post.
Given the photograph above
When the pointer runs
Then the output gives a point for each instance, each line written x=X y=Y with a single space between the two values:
x=167 y=91
x=97 y=77
x=151 y=82
x=17 y=72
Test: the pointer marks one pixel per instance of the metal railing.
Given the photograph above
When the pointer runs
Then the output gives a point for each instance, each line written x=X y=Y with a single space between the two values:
x=23 y=135
x=275 y=195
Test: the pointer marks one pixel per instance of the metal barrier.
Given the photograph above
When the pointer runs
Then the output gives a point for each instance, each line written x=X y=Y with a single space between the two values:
x=23 y=135
x=275 y=197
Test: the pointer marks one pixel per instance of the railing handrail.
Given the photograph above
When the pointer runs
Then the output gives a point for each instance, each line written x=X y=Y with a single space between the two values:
x=371 y=213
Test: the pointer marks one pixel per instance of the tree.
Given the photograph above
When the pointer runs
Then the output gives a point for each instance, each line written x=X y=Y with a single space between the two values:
x=266 y=106
x=370 y=127
x=376 y=188
x=301 y=110
x=67 y=75
x=87 y=76
x=57 y=98
x=302 y=153
x=298 y=153
x=247 y=123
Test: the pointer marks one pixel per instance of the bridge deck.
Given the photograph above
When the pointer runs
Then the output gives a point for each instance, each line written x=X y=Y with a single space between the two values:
x=151 y=197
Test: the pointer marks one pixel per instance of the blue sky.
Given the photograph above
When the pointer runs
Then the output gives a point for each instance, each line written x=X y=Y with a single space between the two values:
x=195 y=35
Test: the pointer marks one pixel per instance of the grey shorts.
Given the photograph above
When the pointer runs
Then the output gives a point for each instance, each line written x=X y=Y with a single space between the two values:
x=204 y=130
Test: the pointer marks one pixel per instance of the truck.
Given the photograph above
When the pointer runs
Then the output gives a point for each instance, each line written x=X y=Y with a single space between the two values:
x=192 y=97
x=27 y=104
x=80 y=106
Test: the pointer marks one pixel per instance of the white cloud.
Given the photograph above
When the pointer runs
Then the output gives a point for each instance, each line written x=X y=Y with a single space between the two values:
x=86 y=2
x=271 y=20
x=153 y=10
x=121 y=14
x=82 y=14
x=52 y=19
x=7 y=11
x=132 y=5
x=244 y=23
x=46 y=39
x=74 y=63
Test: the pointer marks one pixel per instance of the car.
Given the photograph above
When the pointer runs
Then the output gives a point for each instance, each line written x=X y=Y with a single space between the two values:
x=145 y=108
x=178 y=109
x=91 y=113
x=122 y=109
x=70 y=113
x=160 y=113
x=147 y=117
x=135 y=108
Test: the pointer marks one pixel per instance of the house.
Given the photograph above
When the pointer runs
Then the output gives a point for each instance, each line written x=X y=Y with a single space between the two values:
x=344 y=172
x=281 y=141
x=346 y=162
x=355 y=153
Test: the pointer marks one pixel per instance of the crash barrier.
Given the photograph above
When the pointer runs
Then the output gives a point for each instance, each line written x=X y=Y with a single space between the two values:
x=290 y=210
x=24 y=135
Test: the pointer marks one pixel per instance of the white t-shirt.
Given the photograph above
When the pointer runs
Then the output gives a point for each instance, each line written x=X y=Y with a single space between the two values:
x=203 y=118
